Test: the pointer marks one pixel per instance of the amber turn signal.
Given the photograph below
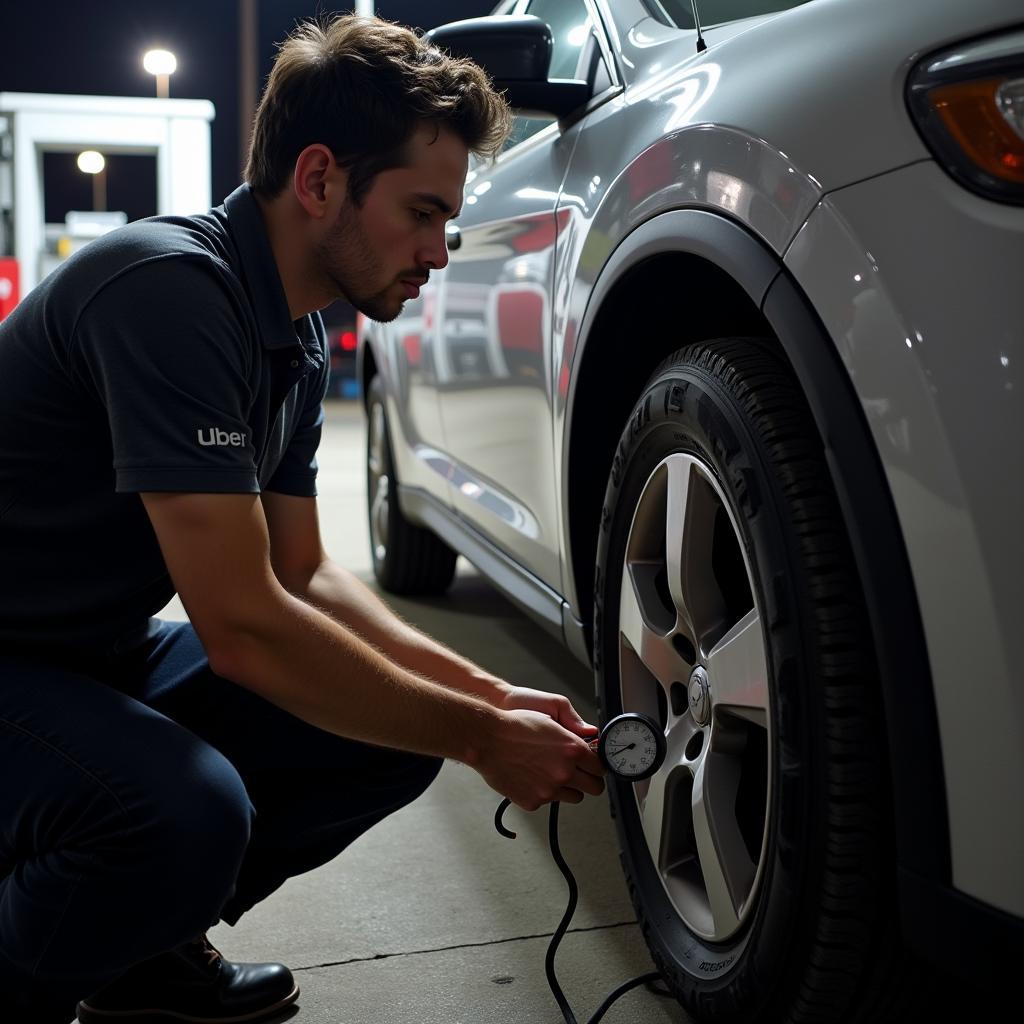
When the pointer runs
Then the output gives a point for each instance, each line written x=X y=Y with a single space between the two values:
x=974 y=117
x=968 y=104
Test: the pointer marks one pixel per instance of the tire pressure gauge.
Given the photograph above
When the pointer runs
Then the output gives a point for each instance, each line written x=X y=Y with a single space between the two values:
x=632 y=746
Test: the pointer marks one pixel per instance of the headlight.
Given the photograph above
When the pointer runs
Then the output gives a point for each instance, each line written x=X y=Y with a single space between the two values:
x=968 y=103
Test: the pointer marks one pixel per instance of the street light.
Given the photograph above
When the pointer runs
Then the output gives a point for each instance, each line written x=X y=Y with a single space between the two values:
x=163 y=64
x=91 y=162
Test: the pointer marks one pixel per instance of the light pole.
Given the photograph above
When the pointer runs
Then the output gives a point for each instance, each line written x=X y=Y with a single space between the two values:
x=91 y=162
x=163 y=64
x=248 y=71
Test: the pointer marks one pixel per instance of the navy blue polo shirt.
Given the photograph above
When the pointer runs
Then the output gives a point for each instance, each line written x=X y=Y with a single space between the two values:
x=162 y=357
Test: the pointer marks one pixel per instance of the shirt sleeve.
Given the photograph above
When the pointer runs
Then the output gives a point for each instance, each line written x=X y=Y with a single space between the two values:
x=164 y=349
x=296 y=473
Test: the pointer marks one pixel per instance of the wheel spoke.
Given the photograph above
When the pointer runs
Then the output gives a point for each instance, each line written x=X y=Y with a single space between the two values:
x=680 y=472
x=738 y=672
x=727 y=869
x=690 y=512
x=652 y=793
x=651 y=645
x=652 y=814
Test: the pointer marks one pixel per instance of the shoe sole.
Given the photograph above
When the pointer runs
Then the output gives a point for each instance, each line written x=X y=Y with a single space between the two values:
x=90 y=1015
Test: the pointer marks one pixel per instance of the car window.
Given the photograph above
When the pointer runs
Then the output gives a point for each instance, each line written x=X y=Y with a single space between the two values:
x=571 y=25
x=716 y=12
x=523 y=127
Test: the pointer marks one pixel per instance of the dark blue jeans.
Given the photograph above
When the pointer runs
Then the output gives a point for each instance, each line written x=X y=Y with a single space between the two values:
x=142 y=798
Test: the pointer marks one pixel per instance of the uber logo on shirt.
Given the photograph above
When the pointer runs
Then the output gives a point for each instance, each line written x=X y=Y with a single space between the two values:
x=216 y=436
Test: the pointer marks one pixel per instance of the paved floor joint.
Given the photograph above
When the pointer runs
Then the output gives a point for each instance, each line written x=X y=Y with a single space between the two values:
x=460 y=945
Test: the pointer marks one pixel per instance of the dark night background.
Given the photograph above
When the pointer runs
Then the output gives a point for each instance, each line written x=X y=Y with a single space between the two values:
x=96 y=48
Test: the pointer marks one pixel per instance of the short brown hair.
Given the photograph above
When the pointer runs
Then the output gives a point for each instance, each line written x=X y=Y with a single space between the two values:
x=361 y=86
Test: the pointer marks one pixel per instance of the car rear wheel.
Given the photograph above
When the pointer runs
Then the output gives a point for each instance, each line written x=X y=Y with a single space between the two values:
x=760 y=857
x=407 y=559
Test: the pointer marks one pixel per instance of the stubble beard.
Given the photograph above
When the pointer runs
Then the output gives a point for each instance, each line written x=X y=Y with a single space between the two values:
x=345 y=258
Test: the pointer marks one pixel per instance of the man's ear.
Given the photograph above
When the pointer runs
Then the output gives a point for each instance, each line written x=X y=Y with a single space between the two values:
x=320 y=185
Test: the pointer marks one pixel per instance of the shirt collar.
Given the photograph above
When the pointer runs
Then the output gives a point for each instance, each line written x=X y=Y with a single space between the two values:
x=273 y=318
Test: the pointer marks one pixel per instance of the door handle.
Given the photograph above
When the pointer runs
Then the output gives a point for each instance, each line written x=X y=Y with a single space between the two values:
x=452 y=236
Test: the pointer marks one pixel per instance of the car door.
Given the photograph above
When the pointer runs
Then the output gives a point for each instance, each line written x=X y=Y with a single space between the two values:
x=493 y=357
x=406 y=348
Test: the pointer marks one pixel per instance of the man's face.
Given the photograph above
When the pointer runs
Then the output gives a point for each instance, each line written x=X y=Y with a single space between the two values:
x=379 y=254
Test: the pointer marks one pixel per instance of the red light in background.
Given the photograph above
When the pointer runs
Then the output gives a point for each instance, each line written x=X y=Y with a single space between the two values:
x=413 y=349
x=347 y=340
x=8 y=285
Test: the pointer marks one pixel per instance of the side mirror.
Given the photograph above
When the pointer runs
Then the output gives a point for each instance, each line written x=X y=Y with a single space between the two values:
x=515 y=50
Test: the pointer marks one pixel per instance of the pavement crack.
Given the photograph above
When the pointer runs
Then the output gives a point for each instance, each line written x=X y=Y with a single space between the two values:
x=459 y=945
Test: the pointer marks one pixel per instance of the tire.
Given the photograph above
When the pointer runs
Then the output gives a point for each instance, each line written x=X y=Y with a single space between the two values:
x=407 y=559
x=760 y=858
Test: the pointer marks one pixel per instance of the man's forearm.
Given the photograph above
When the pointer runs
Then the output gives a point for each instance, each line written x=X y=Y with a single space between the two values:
x=257 y=633
x=343 y=596
x=304 y=661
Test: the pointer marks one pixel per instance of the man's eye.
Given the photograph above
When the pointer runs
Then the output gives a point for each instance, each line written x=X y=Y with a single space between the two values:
x=421 y=215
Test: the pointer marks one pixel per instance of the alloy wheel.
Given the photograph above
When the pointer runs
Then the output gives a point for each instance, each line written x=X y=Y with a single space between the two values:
x=692 y=655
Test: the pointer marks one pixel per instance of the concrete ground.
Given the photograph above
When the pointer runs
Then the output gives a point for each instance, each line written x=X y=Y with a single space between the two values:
x=432 y=917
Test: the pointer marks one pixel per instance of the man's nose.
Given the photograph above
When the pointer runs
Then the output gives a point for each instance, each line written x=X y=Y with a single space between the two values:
x=435 y=255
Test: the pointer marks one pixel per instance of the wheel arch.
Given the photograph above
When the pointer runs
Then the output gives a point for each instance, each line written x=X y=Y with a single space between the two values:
x=742 y=287
x=727 y=268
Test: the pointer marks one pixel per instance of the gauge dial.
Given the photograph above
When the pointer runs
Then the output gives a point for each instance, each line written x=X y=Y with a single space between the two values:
x=632 y=746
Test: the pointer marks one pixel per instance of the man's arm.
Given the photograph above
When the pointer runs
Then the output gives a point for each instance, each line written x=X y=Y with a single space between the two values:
x=303 y=568
x=258 y=635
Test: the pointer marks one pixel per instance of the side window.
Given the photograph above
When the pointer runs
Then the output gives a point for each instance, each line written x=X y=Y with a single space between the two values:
x=570 y=25
x=524 y=126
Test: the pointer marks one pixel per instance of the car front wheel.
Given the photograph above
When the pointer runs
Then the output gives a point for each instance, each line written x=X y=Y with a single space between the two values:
x=760 y=856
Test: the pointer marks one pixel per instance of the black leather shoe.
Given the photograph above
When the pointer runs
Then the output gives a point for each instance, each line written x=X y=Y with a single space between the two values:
x=192 y=983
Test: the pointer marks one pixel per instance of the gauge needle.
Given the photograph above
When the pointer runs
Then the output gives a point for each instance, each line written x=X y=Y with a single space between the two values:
x=619 y=750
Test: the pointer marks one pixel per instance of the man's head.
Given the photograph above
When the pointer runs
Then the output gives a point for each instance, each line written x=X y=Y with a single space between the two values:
x=366 y=108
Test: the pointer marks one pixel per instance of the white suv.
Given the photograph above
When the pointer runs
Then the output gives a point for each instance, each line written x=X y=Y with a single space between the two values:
x=722 y=385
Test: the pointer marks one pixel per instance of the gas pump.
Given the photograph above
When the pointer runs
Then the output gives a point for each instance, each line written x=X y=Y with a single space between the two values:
x=176 y=132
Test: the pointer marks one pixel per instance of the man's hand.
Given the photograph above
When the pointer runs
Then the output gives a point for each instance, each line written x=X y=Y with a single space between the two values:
x=532 y=759
x=554 y=705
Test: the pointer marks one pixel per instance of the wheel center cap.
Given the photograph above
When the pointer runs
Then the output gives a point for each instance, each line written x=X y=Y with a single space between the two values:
x=700 y=697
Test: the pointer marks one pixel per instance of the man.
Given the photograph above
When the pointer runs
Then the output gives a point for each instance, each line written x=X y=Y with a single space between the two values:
x=159 y=415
